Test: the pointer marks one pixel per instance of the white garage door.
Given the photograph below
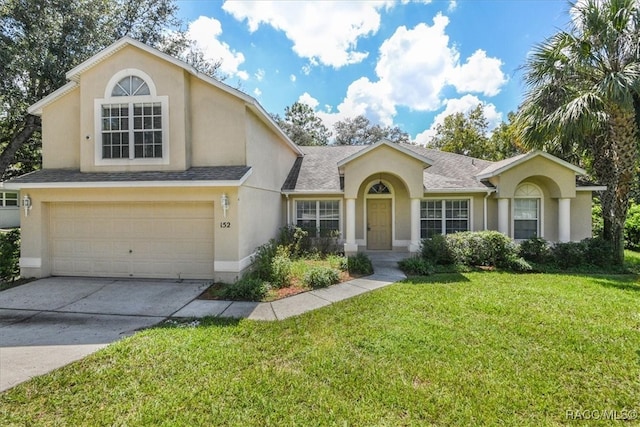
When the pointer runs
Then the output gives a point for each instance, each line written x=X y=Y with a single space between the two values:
x=167 y=240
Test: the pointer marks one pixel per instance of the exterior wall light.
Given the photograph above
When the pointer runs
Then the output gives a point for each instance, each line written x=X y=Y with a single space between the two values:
x=224 y=202
x=26 y=204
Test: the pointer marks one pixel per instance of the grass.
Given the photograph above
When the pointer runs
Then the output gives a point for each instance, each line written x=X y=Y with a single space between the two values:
x=452 y=349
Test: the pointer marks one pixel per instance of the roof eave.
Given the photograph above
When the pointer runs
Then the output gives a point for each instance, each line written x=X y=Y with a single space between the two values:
x=528 y=156
x=427 y=162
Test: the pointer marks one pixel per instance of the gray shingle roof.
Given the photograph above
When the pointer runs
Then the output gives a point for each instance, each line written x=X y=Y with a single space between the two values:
x=215 y=173
x=318 y=170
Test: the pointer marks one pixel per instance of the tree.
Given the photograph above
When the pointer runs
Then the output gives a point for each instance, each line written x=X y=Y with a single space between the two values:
x=40 y=40
x=301 y=124
x=360 y=131
x=584 y=95
x=504 y=141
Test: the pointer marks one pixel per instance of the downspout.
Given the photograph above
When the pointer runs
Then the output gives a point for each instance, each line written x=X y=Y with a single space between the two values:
x=288 y=209
x=486 y=210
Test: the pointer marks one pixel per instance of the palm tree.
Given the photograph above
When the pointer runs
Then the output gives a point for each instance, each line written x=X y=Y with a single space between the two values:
x=584 y=96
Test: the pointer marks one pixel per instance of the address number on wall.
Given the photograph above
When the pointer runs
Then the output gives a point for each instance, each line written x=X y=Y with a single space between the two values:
x=225 y=224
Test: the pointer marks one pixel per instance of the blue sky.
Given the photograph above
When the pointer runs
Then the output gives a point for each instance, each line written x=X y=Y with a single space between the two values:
x=400 y=63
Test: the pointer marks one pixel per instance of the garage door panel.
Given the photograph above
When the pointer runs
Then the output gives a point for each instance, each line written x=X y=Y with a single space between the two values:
x=136 y=239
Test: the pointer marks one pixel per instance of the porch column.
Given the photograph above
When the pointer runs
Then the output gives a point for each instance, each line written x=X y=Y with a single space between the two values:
x=414 y=246
x=350 y=245
x=503 y=216
x=564 y=220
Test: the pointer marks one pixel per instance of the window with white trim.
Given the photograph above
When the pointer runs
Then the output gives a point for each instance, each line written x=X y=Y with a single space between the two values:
x=526 y=212
x=8 y=199
x=131 y=122
x=443 y=217
x=319 y=217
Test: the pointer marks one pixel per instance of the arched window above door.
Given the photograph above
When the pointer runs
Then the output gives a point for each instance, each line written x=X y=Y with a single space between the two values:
x=379 y=188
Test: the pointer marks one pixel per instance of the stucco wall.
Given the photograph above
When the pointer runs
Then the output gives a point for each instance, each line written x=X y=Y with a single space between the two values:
x=218 y=126
x=581 y=226
x=557 y=179
x=61 y=133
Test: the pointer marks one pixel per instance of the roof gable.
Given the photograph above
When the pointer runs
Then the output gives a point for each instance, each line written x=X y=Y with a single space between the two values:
x=385 y=142
x=74 y=76
x=504 y=165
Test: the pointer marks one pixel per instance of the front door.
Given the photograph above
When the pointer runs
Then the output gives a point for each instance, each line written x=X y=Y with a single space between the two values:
x=379 y=224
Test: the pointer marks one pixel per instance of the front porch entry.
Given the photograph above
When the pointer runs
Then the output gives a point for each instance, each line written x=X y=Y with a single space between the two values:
x=379 y=224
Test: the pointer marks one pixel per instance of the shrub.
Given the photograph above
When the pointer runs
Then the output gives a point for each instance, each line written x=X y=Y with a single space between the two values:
x=281 y=268
x=338 y=262
x=262 y=260
x=535 y=249
x=327 y=243
x=518 y=264
x=598 y=252
x=597 y=222
x=569 y=254
x=481 y=248
x=436 y=250
x=248 y=288
x=9 y=255
x=416 y=266
x=632 y=228
x=295 y=239
x=321 y=277
x=359 y=264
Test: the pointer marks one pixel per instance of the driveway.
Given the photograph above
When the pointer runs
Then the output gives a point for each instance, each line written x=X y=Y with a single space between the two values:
x=51 y=322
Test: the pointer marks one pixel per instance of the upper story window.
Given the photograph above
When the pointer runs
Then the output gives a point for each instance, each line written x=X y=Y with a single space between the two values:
x=132 y=121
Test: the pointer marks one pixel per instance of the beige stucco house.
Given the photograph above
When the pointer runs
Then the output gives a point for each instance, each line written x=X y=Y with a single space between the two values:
x=151 y=169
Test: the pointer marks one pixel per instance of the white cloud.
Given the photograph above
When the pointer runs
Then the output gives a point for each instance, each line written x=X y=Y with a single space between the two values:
x=259 y=75
x=293 y=78
x=323 y=31
x=414 y=67
x=479 y=74
x=460 y=105
x=257 y=92
x=205 y=32
x=305 y=98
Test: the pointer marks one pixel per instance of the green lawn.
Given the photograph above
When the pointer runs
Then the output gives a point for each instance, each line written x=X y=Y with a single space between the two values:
x=458 y=349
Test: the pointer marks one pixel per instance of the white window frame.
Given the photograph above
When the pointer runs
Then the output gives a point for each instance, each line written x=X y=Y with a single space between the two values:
x=317 y=209
x=138 y=99
x=443 y=220
x=528 y=190
x=3 y=199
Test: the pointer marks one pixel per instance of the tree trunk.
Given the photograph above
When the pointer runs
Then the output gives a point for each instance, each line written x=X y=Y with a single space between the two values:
x=615 y=164
x=23 y=133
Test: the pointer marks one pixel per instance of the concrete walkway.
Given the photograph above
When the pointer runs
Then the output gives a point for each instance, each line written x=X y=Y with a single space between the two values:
x=386 y=272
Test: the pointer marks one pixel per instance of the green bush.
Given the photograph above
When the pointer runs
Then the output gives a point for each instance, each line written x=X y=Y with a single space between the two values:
x=569 y=254
x=599 y=252
x=481 y=248
x=321 y=277
x=535 y=249
x=518 y=264
x=9 y=255
x=632 y=228
x=359 y=264
x=597 y=223
x=337 y=261
x=295 y=239
x=248 y=288
x=436 y=251
x=416 y=266
x=281 y=268
x=262 y=259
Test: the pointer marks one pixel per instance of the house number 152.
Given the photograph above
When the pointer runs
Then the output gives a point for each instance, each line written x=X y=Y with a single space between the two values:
x=225 y=224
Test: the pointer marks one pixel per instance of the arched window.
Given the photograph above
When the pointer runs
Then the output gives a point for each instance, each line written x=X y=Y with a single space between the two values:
x=527 y=211
x=379 y=188
x=132 y=121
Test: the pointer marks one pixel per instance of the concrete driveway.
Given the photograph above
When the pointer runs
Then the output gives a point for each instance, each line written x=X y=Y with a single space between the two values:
x=51 y=322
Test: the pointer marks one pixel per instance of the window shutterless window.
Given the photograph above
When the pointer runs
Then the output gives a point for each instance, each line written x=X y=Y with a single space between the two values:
x=525 y=218
x=319 y=217
x=443 y=217
x=131 y=122
x=8 y=199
